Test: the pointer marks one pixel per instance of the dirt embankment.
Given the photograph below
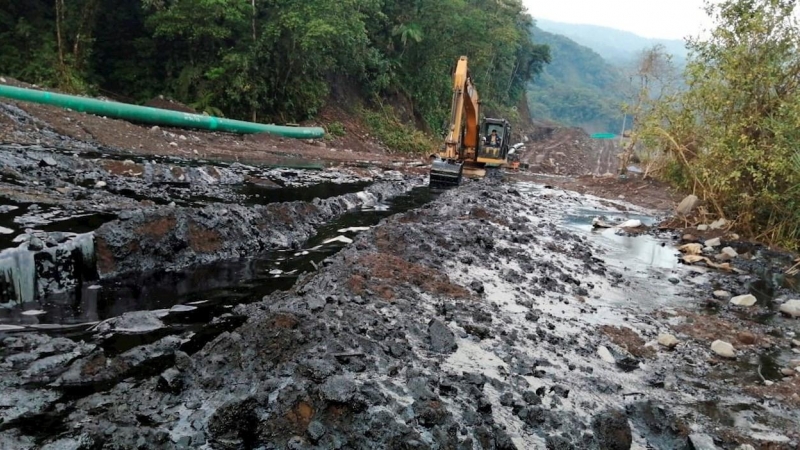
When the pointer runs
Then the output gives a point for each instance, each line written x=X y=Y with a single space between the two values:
x=30 y=123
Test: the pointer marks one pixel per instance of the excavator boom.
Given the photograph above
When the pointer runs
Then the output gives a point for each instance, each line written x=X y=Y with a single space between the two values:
x=462 y=137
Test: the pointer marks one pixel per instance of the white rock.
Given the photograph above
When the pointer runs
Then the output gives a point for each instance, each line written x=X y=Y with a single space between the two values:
x=702 y=227
x=791 y=308
x=744 y=300
x=2 y=80
x=33 y=312
x=668 y=340
x=723 y=349
x=722 y=295
x=794 y=363
x=745 y=447
x=717 y=224
x=155 y=128
x=182 y=137
x=100 y=184
x=173 y=144
x=605 y=355
x=633 y=223
x=4 y=230
x=716 y=242
x=768 y=383
x=730 y=252
x=687 y=205
x=795 y=343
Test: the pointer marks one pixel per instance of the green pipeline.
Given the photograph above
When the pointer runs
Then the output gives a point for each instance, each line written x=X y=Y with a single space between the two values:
x=156 y=116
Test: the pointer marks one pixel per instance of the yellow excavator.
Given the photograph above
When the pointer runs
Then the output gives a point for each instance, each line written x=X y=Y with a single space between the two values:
x=473 y=145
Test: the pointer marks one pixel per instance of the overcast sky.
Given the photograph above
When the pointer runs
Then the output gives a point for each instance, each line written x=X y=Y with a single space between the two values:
x=670 y=19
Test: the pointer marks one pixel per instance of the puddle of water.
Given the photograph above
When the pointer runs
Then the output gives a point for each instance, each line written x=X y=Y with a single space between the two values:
x=213 y=288
x=643 y=249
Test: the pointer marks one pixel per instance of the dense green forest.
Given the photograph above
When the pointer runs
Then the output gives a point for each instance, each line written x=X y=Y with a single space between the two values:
x=272 y=59
x=578 y=87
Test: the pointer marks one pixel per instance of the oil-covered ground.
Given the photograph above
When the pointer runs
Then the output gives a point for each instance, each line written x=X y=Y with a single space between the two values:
x=175 y=302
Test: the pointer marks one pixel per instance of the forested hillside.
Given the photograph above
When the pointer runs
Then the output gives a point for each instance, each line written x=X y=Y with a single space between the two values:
x=272 y=59
x=578 y=87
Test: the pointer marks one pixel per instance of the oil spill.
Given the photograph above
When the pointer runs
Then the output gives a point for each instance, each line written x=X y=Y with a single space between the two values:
x=255 y=194
x=209 y=290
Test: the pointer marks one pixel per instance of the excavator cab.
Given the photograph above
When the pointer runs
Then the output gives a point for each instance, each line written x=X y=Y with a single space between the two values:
x=493 y=148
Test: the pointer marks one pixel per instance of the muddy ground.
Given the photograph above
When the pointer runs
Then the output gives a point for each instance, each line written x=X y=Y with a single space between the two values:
x=156 y=300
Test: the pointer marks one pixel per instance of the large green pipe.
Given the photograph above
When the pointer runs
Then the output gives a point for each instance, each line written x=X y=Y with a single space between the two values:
x=155 y=116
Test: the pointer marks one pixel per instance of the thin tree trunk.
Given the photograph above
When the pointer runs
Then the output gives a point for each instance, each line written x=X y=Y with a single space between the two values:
x=60 y=42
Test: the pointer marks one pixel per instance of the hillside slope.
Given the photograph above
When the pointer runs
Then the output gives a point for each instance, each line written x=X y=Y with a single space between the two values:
x=577 y=88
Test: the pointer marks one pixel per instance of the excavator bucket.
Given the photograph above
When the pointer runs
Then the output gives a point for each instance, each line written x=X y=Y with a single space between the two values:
x=445 y=174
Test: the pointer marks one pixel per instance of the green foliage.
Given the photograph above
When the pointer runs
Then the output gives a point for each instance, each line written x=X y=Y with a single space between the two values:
x=732 y=136
x=336 y=129
x=577 y=88
x=396 y=135
x=273 y=59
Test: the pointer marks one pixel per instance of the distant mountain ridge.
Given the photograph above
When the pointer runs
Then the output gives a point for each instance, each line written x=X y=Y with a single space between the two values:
x=578 y=88
x=616 y=46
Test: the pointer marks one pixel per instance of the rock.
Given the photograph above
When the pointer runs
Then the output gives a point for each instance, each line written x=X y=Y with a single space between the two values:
x=746 y=338
x=730 y=252
x=674 y=280
x=531 y=398
x=47 y=161
x=316 y=303
x=340 y=389
x=745 y=447
x=316 y=430
x=100 y=184
x=702 y=227
x=173 y=144
x=788 y=372
x=791 y=308
x=687 y=205
x=744 y=300
x=668 y=340
x=612 y=430
x=442 y=339
x=35 y=244
x=632 y=223
x=795 y=343
x=605 y=355
x=722 y=295
x=717 y=224
x=477 y=286
x=154 y=129
x=723 y=349
x=699 y=441
x=716 y=242
x=171 y=380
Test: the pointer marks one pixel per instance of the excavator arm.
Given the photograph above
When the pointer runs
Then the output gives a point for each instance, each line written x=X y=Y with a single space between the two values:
x=463 y=114
x=462 y=137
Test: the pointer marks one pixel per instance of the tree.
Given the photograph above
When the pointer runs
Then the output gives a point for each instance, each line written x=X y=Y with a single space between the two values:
x=653 y=78
x=732 y=135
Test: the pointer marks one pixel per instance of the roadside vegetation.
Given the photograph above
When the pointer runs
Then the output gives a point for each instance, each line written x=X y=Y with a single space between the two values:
x=732 y=135
x=270 y=60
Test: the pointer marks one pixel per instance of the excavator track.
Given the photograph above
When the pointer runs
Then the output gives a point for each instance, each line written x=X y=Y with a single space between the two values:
x=445 y=174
